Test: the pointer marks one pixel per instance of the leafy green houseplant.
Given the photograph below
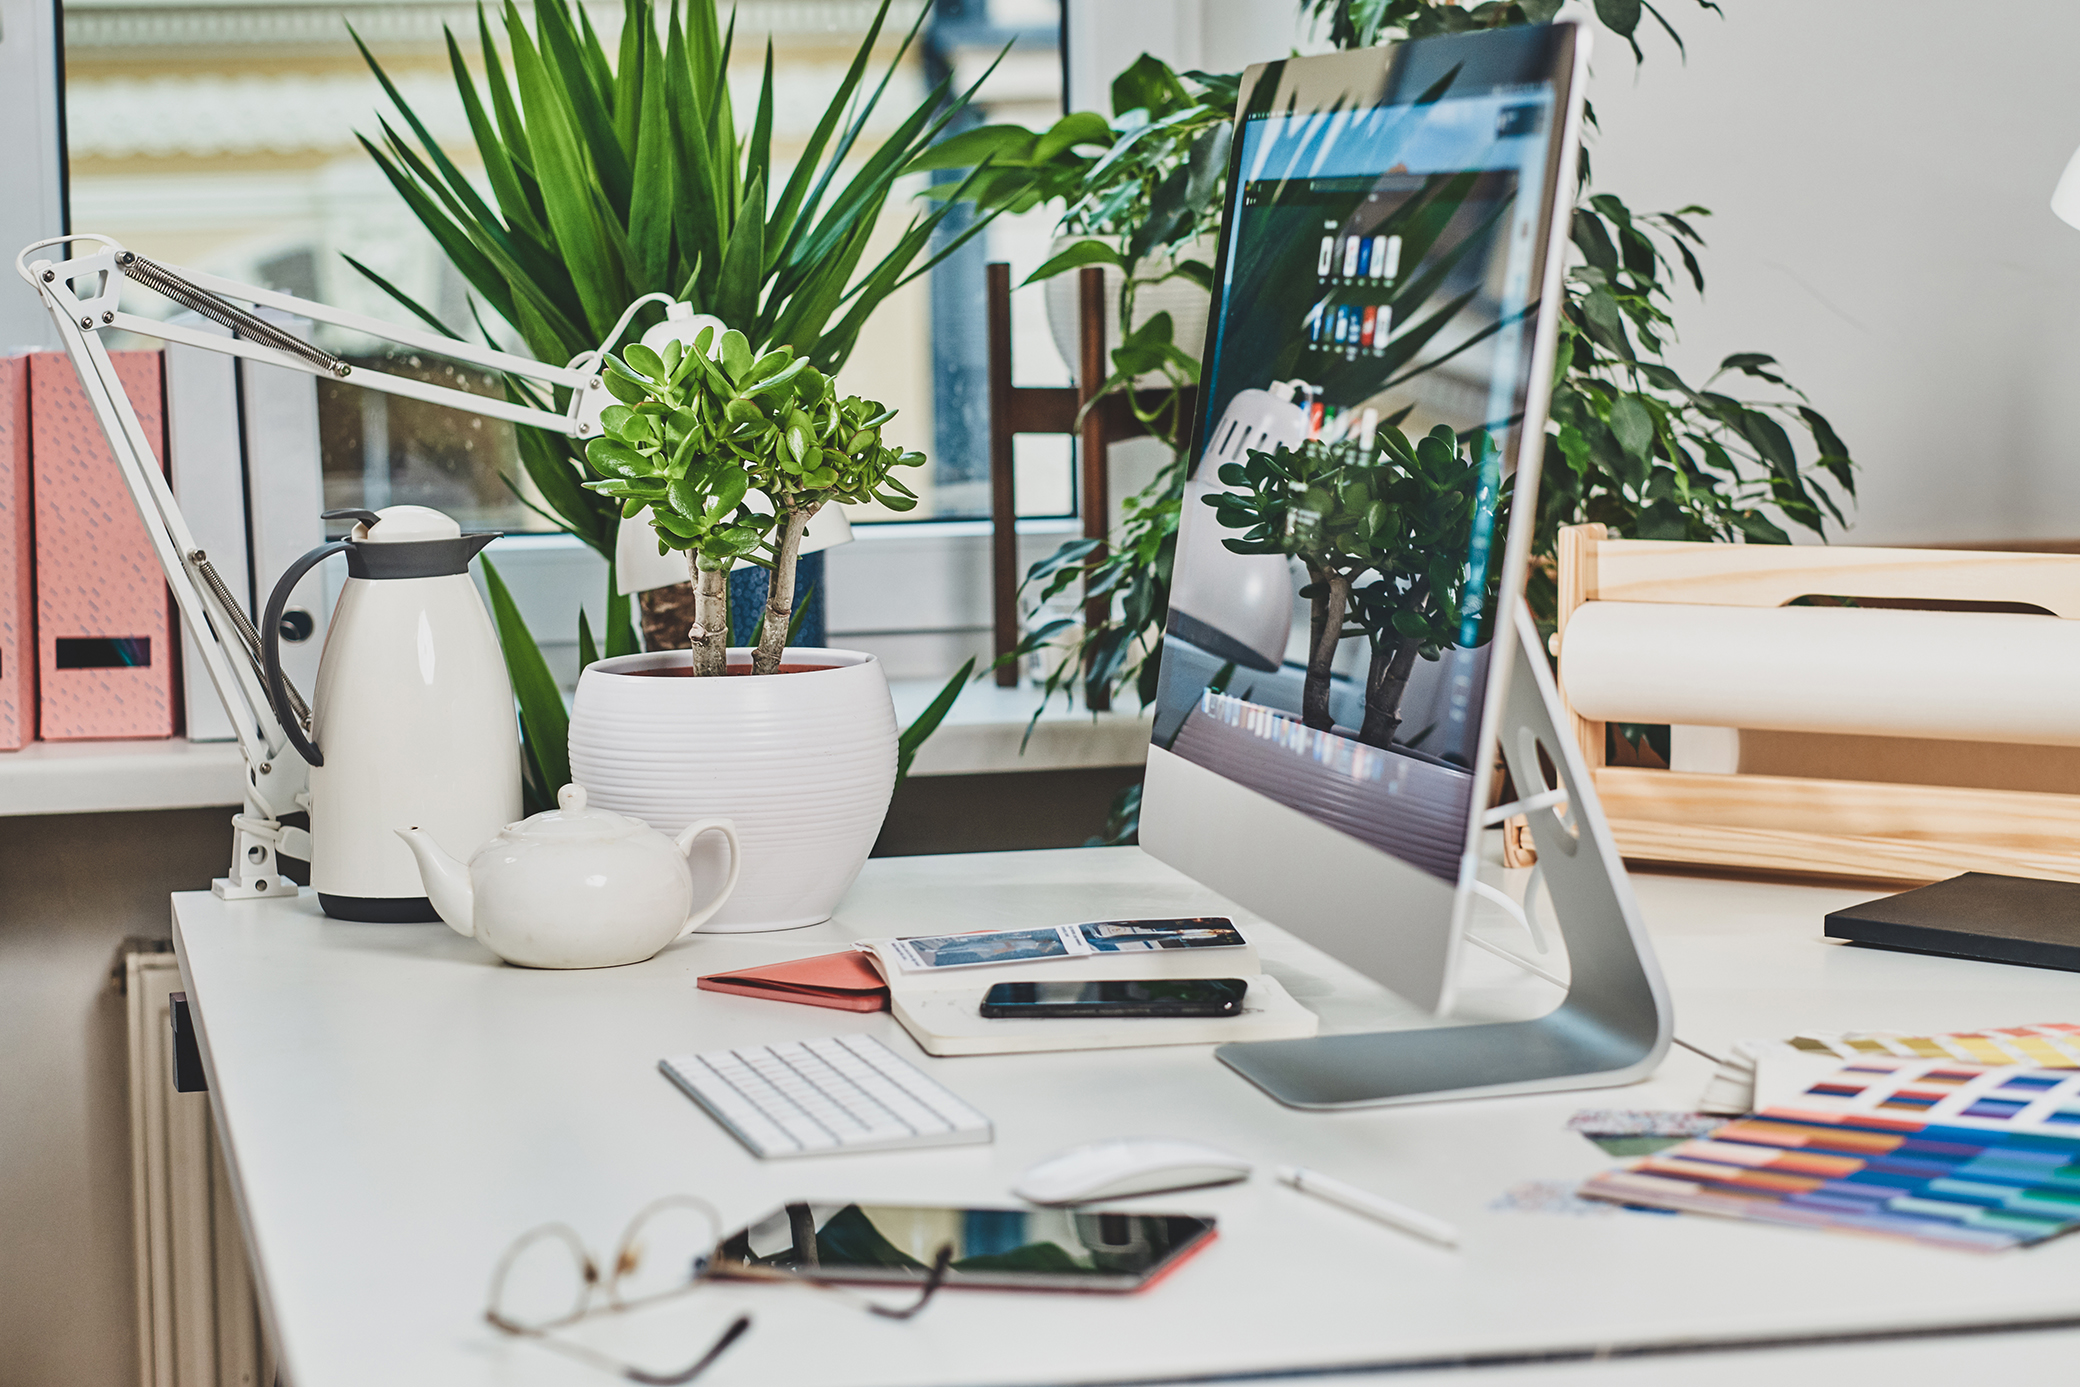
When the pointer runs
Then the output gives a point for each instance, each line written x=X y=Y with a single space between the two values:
x=694 y=438
x=1631 y=443
x=1137 y=191
x=1382 y=526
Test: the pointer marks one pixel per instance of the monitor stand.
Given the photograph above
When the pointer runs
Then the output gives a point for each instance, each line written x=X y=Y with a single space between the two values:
x=1614 y=1026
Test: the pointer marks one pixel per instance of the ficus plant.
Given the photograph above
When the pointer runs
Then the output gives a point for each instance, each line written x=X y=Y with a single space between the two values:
x=731 y=453
x=1383 y=526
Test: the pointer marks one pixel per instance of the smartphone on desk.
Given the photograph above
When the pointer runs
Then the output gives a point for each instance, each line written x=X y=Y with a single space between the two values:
x=1163 y=997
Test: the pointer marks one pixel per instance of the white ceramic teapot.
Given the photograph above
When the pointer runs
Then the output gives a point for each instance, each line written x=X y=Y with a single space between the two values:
x=573 y=887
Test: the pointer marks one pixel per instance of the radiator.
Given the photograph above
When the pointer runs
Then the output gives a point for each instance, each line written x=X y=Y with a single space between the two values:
x=198 y=1323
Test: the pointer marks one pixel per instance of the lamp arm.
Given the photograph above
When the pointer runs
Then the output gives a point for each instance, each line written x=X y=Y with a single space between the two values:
x=82 y=295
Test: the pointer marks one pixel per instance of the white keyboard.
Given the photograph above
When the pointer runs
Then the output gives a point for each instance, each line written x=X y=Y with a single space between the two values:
x=810 y=1097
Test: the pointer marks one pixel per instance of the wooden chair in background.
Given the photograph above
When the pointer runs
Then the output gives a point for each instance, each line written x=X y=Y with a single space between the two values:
x=1017 y=409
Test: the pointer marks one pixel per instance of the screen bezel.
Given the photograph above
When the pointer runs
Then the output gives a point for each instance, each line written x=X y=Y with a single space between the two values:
x=1563 y=62
x=1092 y=1281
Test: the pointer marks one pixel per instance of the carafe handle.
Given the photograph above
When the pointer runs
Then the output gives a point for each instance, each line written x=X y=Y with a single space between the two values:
x=271 y=647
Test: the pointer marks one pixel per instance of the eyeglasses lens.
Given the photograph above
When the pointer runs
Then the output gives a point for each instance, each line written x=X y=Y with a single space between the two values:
x=662 y=1252
x=544 y=1281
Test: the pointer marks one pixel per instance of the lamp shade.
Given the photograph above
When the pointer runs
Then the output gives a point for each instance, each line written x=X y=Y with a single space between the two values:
x=2065 y=198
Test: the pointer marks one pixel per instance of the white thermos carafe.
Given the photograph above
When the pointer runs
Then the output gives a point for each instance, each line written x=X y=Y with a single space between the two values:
x=412 y=721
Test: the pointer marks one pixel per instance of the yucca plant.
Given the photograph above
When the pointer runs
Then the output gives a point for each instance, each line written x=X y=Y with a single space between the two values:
x=615 y=178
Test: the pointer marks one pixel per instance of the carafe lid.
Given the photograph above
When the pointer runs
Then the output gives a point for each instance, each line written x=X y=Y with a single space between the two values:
x=408 y=542
x=574 y=821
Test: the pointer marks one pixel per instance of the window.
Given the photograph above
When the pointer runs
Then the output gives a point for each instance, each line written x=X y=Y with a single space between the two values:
x=222 y=137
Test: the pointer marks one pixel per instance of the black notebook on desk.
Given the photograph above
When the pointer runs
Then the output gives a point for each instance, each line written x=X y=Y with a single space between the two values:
x=2000 y=919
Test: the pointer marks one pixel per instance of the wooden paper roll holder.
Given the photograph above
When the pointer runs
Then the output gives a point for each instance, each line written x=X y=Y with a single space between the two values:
x=1879 y=828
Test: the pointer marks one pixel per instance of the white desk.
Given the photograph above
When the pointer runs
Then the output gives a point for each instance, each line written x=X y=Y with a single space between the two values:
x=398 y=1106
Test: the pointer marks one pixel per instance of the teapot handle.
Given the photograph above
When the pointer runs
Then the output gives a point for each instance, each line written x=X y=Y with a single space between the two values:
x=728 y=829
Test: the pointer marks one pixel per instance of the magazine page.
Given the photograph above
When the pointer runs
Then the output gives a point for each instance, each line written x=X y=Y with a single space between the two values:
x=943 y=952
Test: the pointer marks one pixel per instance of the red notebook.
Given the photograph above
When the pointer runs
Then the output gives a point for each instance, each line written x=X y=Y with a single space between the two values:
x=847 y=981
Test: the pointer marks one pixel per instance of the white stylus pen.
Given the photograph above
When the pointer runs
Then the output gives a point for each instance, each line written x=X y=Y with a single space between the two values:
x=1370 y=1205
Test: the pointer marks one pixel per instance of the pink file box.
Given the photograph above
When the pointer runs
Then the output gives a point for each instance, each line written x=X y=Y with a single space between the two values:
x=104 y=619
x=17 y=592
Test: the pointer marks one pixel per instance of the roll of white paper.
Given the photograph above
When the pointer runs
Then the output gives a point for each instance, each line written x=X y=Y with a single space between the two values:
x=1971 y=676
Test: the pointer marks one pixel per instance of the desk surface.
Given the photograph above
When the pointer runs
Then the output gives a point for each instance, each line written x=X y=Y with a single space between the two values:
x=398 y=1106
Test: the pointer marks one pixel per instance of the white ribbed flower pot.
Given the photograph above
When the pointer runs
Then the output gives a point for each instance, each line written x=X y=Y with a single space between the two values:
x=804 y=763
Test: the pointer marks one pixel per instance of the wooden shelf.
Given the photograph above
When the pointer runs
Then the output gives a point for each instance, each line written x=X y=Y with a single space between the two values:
x=104 y=777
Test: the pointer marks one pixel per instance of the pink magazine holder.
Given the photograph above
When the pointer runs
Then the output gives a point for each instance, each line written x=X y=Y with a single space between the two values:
x=104 y=619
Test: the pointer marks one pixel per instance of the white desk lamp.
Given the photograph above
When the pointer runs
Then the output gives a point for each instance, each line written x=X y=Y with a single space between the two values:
x=2065 y=198
x=82 y=295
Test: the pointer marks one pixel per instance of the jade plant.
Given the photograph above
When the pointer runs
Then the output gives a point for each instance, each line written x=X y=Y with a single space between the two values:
x=732 y=453
x=1384 y=528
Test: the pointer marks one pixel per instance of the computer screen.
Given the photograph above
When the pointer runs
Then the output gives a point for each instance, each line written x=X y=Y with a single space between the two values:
x=1371 y=418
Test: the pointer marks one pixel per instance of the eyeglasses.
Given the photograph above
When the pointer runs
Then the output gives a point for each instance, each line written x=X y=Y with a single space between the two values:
x=548 y=1280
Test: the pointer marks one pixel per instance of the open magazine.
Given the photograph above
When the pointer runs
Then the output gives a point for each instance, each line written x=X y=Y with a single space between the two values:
x=936 y=984
x=932 y=953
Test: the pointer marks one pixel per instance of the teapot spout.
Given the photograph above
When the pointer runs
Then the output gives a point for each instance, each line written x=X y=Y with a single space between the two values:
x=446 y=880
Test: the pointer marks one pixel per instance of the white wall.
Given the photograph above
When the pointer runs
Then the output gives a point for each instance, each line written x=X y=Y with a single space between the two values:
x=1212 y=35
x=29 y=164
x=1879 y=174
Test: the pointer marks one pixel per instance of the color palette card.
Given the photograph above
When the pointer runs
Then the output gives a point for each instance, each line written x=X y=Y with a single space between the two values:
x=1981 y=1157
x=1760 y=1072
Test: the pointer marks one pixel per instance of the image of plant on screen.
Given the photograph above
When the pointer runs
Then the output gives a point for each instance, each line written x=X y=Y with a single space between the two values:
x=1384 y=528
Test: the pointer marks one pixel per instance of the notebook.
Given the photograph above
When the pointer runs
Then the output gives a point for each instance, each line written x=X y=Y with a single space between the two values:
x=2000 y=919
x=845 y=981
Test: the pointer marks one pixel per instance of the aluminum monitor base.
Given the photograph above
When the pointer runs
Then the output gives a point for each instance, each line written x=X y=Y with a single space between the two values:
x=1614 y=1026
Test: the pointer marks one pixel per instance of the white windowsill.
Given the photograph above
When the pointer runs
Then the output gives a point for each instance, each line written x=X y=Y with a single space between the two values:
x=101 y=777
x=981 y=734
x=983 y=729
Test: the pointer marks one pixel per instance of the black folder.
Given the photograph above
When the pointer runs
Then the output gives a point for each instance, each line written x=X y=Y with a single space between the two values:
x=2000 y=919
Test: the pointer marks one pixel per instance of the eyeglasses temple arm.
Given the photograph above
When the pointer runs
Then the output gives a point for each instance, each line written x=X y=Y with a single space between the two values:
x=730 y=1335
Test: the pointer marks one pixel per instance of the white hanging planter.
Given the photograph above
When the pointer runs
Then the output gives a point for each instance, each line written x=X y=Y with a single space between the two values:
x=804 y=762
x=1187 y=304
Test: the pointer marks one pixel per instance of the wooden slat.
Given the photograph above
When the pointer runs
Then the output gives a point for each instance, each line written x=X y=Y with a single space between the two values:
x=1580 y=546
x=1909 y=862
x=2019 y=819
x=1003 y=485
x=1095 y=499
x=1769 y=575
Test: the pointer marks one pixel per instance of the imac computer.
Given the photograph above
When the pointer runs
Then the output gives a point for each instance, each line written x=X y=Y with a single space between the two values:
x=1347 y=649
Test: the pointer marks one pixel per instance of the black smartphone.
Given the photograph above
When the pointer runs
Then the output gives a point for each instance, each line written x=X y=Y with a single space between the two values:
x=1164 y=997
x=1010 y=1249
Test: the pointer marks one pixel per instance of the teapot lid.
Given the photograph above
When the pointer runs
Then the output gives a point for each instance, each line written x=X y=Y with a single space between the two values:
x=573 y=821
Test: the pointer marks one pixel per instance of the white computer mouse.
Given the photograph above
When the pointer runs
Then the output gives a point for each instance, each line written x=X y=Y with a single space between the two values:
x=1128 y=1165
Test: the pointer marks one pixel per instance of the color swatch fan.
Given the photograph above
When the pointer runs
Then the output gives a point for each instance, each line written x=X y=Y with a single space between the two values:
x=1982 y=1157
